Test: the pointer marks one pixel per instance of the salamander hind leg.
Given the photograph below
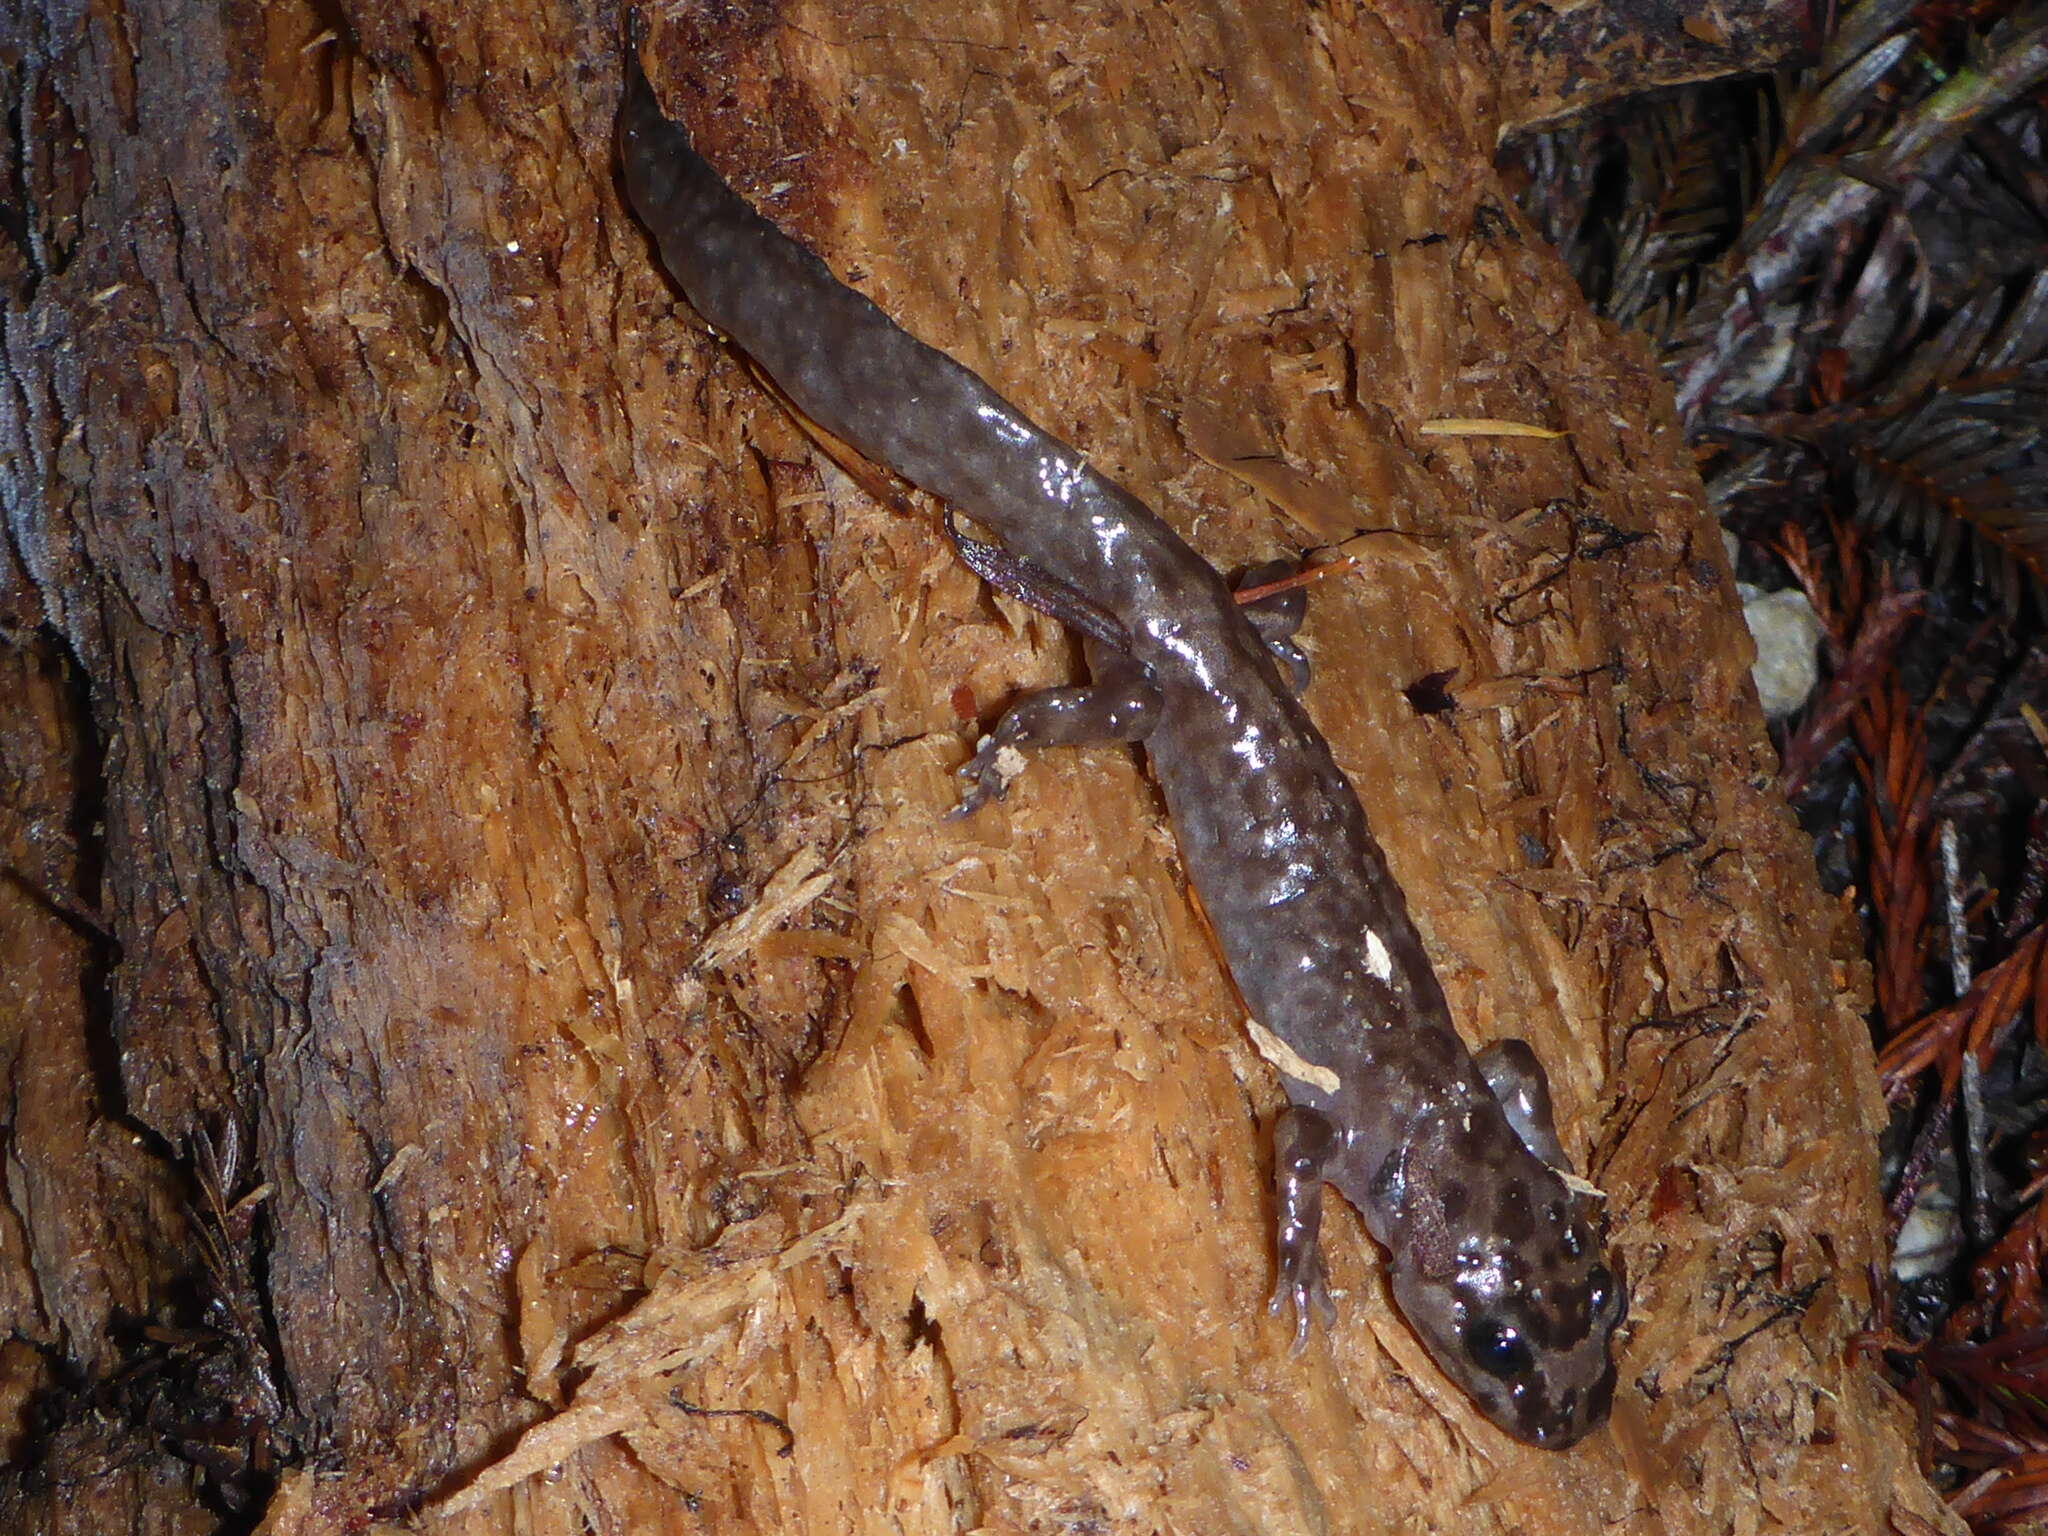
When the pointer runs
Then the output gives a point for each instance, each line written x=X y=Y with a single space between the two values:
x=1120 y=705
x=1275 y=618
x=1304 y=1141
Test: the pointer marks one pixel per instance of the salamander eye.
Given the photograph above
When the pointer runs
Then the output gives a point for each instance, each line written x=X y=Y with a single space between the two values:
x=1602 y=1294
x=1497 y=1348
x=1598 y=1289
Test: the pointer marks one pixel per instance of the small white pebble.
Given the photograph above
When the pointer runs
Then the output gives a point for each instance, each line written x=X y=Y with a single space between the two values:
x=1787 y=639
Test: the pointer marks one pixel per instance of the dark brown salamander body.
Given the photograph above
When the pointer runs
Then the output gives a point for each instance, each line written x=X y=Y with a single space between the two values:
x=1496 y=1262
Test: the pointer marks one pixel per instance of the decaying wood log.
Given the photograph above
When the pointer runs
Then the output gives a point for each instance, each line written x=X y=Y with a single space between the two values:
x=497 y=1024
x=1558 y=60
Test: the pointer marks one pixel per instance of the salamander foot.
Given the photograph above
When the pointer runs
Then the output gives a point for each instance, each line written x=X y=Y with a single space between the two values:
x=1304 y=1140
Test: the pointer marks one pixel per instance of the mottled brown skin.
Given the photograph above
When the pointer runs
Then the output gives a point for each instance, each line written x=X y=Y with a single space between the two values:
x=1496 y=1263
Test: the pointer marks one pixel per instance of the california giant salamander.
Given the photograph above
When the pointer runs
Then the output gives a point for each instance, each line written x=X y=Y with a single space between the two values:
x=1496 y=1261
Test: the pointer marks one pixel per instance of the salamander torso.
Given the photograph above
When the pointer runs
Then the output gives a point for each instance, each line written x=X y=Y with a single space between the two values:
x=1496 y=1262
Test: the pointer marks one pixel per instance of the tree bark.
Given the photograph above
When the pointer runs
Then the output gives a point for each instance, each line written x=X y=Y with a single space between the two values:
x=497 y=1022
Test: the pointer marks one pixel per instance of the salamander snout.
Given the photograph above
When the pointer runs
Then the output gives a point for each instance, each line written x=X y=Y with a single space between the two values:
x=1524 y=1325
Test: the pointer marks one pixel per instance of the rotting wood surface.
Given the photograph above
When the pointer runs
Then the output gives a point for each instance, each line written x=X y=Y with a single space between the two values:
x=509 y=818
x=1561 y=60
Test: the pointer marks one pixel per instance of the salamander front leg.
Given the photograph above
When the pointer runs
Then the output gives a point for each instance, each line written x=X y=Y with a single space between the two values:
x=1277 y=616
x=1120 y=705
x=1304 y=1141
x=1517 y=1079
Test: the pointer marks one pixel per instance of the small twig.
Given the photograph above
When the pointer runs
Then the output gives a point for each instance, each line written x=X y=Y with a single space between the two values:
x=1952 y=893
x=1980 y=1198
x=758 y=1415
x=1926 y=1148
x=1301 y=578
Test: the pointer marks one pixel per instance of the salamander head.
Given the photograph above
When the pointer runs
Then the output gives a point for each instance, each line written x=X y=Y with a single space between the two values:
x=1503 y=1279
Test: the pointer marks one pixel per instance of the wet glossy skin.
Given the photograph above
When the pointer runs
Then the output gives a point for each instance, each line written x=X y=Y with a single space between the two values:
x=1496 y=1264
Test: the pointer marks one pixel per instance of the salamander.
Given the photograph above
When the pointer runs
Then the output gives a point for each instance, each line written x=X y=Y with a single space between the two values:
x=1495 y=1254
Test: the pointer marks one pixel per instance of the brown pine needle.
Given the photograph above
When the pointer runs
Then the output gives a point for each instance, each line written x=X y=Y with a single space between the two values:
x=1301 y=578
